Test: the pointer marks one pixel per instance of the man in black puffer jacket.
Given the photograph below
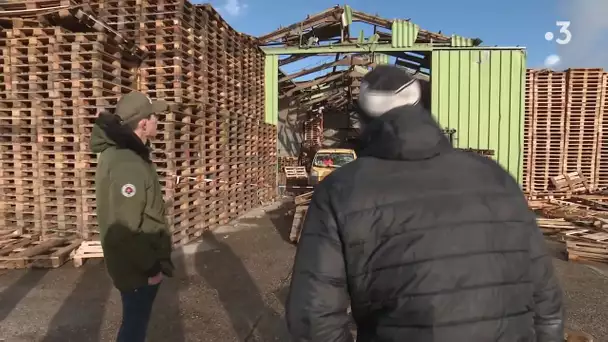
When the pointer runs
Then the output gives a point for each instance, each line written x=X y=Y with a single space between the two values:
x=426 y=243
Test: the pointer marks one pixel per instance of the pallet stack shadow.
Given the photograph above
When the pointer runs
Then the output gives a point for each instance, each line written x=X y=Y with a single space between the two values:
x=564 y=128
x=215 y=155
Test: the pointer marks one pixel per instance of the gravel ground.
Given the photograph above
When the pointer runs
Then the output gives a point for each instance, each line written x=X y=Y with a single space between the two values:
x=232 y=288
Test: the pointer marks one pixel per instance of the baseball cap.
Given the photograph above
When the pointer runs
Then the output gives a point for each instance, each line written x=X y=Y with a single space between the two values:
x=136 y=106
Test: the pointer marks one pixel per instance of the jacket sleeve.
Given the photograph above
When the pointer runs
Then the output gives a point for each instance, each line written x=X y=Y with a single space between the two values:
x=548 y=301
x=125 y=234
x=318 y=299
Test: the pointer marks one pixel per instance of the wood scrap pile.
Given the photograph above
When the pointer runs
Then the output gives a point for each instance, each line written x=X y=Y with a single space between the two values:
x=31 y=251
x=579 y=221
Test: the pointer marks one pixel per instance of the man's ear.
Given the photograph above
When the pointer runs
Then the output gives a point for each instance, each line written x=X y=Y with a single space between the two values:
x=143 y=123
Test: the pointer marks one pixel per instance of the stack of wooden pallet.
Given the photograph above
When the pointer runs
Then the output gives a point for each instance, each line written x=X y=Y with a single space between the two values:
x=313 y=130
x=55 y=83
x=174 y=35
x=547 y=129
x=602 y=150
x=89 y=79
x=527 y=140
x=22 y=86
x=564 y=128
x=582 y=121
x=215 y=155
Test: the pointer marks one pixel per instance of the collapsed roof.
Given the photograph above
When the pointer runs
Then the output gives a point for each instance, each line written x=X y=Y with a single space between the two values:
x=340 y=79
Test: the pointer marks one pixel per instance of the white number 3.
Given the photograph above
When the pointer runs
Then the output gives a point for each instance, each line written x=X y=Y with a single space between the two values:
x=564 y=29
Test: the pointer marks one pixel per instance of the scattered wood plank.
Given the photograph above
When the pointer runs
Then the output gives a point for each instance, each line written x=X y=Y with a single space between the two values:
x=31 y=252
x=298 y=223
x=303 y=198
x=555 y=226
x=592 y=251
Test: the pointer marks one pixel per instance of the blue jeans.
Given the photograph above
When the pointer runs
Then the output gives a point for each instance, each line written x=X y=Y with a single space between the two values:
x=136 y=310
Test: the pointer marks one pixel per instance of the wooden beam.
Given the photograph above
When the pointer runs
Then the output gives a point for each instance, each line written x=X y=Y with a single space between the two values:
x=325 y=98
x=323 y=32
x=304 y=85
x=332 y=14
x=332 y=89
x=346 y=61
x=292 y=58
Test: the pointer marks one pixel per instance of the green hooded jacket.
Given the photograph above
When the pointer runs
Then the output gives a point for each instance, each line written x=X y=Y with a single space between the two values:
x=135 y=237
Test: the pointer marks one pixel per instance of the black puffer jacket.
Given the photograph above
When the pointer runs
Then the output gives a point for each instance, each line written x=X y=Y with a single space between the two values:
x=428 y=243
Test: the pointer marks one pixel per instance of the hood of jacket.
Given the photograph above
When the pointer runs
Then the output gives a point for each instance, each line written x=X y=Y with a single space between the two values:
x=404 y=133
x=108 y=132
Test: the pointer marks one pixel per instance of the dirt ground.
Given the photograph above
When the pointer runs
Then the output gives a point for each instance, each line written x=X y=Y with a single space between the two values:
x=230 y=287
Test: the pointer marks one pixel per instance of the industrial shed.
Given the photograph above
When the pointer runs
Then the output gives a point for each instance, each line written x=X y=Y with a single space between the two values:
x=475 y=92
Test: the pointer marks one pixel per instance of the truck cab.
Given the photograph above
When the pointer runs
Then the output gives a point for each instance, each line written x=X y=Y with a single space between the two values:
x=327 y=160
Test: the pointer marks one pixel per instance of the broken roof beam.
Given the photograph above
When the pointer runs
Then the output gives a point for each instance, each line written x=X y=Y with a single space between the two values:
x=333 y=89
x=309 y=84
x=323 y=33
x=293 y=58
x=331 y=15
x=346 y=61
x=402 y=57
x=326 y=98
x=419 y=57
x=408 y=62
x=339 y=103
x=372 y=19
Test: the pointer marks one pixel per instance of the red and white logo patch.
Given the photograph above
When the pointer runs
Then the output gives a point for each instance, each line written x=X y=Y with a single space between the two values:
x=128 y=190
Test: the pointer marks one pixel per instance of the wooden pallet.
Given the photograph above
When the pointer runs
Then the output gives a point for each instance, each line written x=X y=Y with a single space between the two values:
x=28 y=251
x=571 y=181
x=87 y=250
x=555 y=226
x=593 y=251
x=587 y=244
x=295 y=172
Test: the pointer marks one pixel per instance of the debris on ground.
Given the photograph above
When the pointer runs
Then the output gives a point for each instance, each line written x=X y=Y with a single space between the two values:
x=580 y=221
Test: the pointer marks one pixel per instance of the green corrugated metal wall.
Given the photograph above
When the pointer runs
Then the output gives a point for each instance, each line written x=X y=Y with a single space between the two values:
x=458 y=41
x=480 y=94
x=271 y=89
x=404 y=33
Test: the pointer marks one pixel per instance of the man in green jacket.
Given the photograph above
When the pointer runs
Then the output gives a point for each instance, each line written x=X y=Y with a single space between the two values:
x=135 y=237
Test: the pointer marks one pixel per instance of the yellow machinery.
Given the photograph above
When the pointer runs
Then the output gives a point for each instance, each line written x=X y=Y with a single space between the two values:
x=325 y=162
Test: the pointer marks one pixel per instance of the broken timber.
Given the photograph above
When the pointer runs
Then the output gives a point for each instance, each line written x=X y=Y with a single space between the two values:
x=28 y=251
x=301 y=203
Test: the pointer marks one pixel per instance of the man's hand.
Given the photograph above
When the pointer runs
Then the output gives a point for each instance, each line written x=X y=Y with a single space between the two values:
x=156 y=279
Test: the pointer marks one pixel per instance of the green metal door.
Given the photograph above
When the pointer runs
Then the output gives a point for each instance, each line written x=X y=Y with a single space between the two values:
x=480 y=94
